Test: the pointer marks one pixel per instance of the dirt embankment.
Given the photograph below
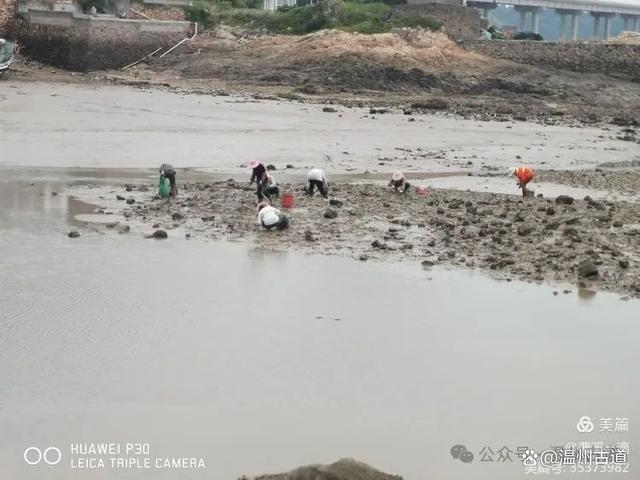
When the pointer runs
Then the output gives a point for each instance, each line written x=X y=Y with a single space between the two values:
x=593 y=244
x=416 y=70
x=399 y=65
x=344 y=469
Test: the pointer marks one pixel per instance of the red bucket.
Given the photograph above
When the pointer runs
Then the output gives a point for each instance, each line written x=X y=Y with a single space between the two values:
x=287 y=200
x=421 y=190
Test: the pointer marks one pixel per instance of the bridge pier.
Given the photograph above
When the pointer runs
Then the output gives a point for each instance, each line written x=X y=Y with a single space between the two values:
x=535 y=17
x=607 y=24
x=630 y=22
x=573 y=15
x=484 y=7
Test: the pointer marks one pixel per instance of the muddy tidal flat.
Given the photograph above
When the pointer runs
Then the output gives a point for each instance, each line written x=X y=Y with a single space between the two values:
x=591 y=243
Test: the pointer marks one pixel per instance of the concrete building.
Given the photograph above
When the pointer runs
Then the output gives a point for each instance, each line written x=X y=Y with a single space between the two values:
x=273 y=5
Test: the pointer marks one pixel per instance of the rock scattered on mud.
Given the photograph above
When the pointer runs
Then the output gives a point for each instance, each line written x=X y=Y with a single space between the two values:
x=505 y=236
x=73 y=234
x=587 y=269
x=159 y=234
x=330 y=213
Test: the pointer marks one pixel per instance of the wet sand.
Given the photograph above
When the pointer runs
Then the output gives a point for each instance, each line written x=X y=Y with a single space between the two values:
x=101 y=126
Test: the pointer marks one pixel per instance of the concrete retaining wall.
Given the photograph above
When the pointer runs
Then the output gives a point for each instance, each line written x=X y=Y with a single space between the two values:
x=588 y=57
x=459 y=22
x=84 y=43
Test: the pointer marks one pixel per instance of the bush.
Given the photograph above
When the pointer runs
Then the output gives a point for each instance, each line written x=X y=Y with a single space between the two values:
x=101 y=5
x=417 y=22
x=201 y=13
x=363 y=16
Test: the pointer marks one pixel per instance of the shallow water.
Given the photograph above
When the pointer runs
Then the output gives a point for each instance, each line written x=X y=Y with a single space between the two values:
x=261 y=361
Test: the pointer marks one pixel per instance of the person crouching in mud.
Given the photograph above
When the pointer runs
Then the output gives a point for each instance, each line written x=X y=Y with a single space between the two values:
x=167 y=171
x=270 y=187
x=524 y=176
x=317 y=178
x=265 y=184
x=399 y=183
x=270 y=217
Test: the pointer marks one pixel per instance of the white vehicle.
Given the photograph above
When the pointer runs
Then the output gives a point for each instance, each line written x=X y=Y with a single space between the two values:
x=7 y=50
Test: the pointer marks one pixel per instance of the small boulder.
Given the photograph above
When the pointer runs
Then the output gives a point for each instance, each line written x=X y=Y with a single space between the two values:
x=271 y=167
x=587 y=269
x=73 y=234
x=131 y=201
x=120 y=197
x=623 y=263
x=159 y=234
x=524 y=230
x=330 y=213
x=564 y=200
x=308 y=236
x=329 y=110
x=336 y=203
x=177 y=216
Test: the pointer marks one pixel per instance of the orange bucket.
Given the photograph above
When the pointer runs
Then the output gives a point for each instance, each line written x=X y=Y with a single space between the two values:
x=287 y=200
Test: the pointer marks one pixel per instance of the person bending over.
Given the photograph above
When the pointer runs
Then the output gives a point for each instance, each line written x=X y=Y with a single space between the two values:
x=271 y=218
x=317 y=178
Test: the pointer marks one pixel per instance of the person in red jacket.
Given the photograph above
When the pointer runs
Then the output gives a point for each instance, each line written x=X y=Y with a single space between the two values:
x=524 y=176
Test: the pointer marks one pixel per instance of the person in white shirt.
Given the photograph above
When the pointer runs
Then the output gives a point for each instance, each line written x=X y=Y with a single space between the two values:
x=270 y=187
x=317 y=178
x=270 y=217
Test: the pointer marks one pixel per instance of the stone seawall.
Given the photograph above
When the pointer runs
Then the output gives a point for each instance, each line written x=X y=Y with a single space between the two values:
x=84 y=43
x=587 y=57
x=7 y=12
x=459 y=22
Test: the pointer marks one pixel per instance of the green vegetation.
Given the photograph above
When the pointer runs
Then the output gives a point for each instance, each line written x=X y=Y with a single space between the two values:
x=353 y=16
x=101 y=5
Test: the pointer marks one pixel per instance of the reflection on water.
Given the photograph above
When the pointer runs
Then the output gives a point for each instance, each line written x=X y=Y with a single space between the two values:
x=231 y=353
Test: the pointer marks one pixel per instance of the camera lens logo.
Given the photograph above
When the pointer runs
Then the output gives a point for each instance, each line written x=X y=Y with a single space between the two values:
x=585 y=425
x=460 y=452
x=50 y=456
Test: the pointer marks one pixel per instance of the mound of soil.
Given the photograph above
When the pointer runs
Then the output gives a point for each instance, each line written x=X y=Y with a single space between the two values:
x=405 y=60
x=345 y=469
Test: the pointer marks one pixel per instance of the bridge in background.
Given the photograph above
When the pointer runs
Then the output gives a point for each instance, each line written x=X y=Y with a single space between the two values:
x=569 y=10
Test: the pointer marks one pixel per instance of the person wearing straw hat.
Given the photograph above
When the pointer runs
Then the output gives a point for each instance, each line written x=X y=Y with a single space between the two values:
x=399 y=183
x=317 y=178
x=259 y=175
x=271 y=218
x=524 y=176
